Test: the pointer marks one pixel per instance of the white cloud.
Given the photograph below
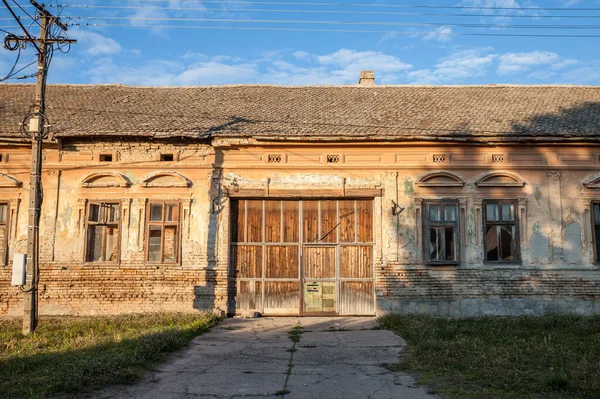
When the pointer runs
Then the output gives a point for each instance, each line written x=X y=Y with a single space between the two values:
x=456 y=68
x=513 y=63
x=441 y=34
x=96 y=44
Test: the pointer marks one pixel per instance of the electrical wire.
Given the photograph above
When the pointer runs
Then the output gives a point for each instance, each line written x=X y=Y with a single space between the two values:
x=26 y=13
x=313 y=22
x=367 y=5
x=333 y=30
x=329 y=12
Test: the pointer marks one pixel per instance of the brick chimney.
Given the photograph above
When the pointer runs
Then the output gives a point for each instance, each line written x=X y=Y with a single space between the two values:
x=367 y=78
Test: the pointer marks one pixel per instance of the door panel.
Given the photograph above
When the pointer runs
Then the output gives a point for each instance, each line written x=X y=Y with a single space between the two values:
x=302 y=256
x=319 y=262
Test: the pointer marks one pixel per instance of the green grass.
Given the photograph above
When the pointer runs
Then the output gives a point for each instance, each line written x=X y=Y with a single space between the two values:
x=499 y=357
x=70 y=355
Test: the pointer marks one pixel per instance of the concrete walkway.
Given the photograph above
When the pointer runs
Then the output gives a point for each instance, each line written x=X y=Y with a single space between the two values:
x=334 y=358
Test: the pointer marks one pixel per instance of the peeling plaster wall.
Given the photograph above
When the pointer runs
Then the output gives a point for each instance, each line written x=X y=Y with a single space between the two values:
x=557 y=269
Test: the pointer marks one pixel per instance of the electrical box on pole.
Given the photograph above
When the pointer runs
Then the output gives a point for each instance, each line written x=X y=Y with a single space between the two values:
x=19 y=269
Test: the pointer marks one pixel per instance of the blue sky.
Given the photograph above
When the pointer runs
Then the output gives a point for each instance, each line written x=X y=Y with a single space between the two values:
x=402 y=52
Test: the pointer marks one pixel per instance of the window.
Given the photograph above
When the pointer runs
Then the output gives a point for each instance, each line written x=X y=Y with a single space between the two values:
x=500 y=231
x=166 y=157
x=102 y=241
x=105 y=158
x=3 y=232
x=163 y=232
x=596 y=225
x=441 y=233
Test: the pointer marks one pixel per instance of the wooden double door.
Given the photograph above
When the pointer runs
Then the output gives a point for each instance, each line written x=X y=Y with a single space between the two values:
x=306 y=257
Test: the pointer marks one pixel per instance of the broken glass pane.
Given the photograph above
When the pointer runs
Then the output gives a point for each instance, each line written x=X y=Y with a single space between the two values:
x=434 y=213
x=450 y=245
x=170 y=244
x=94 y=213
x=507 y=240
x=508 y=212
x=112 y=212
x=450 y=213
x=112 y=240
x=491 y=212
x=154 y=242
x=491 y=243
x=94 y=243
x=172 y=211
x=3 y=212
x=156 y=212
x=435 y=244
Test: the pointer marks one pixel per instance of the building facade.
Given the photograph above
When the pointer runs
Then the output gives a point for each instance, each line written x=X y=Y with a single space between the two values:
x=355 y=200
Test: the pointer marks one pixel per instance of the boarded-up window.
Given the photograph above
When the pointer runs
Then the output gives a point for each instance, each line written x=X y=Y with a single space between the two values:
x=501 y=244
x=162 y=245
x=102 y=236
x=3 y=232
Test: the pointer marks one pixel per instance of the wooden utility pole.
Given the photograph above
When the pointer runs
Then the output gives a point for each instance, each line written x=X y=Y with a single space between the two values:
x=37 y=130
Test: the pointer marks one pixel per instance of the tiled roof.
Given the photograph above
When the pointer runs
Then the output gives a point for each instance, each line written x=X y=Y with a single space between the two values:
x=336 y=112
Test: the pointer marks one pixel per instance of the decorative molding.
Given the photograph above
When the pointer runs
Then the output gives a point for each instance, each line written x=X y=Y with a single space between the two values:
x=477 y=201
x=53 y=173
x=592 y=182
x=150 y=180
x=426 y=181
x=487 y=180
x=522 y=215
x=90 y=181
x=554 y=175
x=7 y=181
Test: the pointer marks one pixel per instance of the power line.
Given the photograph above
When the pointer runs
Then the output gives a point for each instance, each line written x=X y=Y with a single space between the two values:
x=333 y=30
x=314 y=22
x=333 y=12
x=366 y=5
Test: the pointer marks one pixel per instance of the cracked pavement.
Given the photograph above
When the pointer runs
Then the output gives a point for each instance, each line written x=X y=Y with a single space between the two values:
x=340 y=357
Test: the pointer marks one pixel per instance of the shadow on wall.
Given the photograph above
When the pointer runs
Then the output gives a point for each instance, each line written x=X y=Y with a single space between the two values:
x=205 y=296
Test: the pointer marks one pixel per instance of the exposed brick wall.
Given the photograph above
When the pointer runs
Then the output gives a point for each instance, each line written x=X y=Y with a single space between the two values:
x=95 y=289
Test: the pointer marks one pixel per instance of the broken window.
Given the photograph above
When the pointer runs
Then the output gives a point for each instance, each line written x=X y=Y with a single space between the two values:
x=102 y=238
x=3 y=232
x=441 y=234
x=596 y=224
x=163 y=232
x=500 y=231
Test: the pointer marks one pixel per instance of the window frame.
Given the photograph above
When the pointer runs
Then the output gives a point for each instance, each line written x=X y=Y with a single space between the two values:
x=163 y=224
x=593 y=226
x=514 y=222
x=427 y=224
x=87 y=225
x=7 y=226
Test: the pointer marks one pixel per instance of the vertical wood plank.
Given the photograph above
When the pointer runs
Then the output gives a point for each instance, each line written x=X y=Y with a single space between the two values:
x=272 y=221
x=319 y=262
x=291 y=221
x=247 y=261
x=282 y=262
x=255 y=220
x=364 y=208
x=347 y=220
x=356 y=261
x=311 y=220
x=357 y=298
x=329 y=231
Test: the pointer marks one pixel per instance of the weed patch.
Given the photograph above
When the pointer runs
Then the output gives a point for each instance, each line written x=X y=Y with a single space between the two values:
x=502 y=357
x=70 y=355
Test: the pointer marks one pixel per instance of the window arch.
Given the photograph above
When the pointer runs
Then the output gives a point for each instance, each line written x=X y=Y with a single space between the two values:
x=166 y=178
x=500 y=179
x=440 y=179
x=105 y=179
